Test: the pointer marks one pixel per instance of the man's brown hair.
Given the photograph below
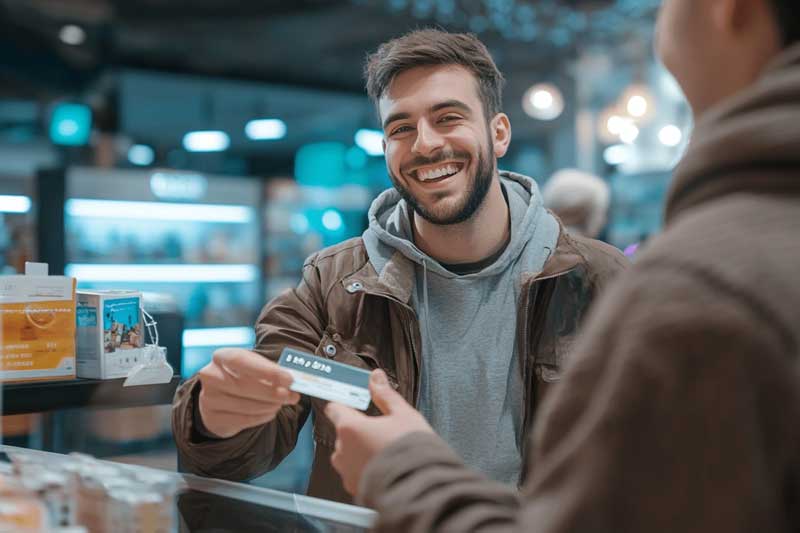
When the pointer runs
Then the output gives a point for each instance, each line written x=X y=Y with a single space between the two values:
x=436 y=47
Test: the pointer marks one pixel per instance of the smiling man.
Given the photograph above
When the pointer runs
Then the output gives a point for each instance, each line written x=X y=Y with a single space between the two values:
x=464 y=289
x=680 y=408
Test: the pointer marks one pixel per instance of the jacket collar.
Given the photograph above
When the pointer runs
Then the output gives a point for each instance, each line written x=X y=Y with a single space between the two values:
x=747 y=143
x=397 y=278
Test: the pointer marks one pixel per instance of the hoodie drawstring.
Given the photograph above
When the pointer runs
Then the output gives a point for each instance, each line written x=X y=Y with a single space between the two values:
x=425 y=303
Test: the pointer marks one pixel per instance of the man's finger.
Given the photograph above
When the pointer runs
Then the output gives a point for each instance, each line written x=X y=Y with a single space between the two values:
x=339 y=414
x=231 y=403
x=387 y=399
x=246 y=365
x=215 y=378
x=241 y=421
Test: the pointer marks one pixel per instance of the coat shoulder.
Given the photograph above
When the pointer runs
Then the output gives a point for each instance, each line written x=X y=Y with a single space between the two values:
x=599 y=256
x=351 y=250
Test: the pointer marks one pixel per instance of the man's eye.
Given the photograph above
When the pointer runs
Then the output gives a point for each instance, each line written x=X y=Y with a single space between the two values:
x=449 y=118
x=400 y=129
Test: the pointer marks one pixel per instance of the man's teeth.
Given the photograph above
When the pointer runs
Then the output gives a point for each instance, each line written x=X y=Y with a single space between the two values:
x=426 y=175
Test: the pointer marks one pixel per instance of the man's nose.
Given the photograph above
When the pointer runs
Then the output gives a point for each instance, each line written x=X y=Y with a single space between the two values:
x=428 y=139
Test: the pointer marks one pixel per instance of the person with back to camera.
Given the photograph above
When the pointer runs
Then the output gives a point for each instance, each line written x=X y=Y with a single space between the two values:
x=679 y=410
x=464 y=289
x=579 y=199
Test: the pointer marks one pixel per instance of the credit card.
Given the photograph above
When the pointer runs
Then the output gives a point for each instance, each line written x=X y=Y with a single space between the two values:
x=326 y=379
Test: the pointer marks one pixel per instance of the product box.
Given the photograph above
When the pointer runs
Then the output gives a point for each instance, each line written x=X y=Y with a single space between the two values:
x=110 y=333
x=37 y=327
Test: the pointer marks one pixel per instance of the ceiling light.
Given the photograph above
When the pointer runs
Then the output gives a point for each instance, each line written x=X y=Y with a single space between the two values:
x=670 y=135
x=543 y=101
x=616 y=124
x=637 y=106
x=265 y=129
x=72 y=35
x=206 y=141
x=14 y=204
x=637 y=101
x=332 y=220
x=629 y=134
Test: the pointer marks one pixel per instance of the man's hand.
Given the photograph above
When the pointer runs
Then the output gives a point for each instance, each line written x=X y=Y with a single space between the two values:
x=242 y=389
x=360 y=437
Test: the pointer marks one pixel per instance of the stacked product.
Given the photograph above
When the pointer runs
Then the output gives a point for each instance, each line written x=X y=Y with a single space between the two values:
x=37 y=319
x=79 y=493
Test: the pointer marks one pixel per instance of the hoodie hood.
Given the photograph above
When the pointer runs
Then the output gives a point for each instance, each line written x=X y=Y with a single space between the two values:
x=390 y=230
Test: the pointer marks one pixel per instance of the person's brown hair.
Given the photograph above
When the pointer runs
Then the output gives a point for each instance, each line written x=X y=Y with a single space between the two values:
x=435 y=47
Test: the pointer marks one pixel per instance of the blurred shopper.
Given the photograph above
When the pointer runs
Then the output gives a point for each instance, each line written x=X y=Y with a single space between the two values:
x=680 y=408
x=464 y=288
x=579 y=199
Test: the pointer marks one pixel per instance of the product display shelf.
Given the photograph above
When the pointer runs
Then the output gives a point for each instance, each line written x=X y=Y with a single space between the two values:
x=44 y=396
x=207 y=504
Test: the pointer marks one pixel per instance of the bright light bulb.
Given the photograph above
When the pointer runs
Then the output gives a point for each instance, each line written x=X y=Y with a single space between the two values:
x=266 y=129
x=542 y=99
x=670 y=135
x=14 y=204
x=206 y=141
x=72 y=35
x=616 y=124
x=332 y=220
x=637 y=106
x=629 y=134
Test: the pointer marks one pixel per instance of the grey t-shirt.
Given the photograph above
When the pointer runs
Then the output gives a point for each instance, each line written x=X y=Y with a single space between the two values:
x=471 y=393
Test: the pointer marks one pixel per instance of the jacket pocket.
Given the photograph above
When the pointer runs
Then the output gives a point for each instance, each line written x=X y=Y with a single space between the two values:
x=333 y=346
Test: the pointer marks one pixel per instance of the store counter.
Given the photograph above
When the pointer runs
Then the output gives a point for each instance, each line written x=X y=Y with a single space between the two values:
x=205 y=504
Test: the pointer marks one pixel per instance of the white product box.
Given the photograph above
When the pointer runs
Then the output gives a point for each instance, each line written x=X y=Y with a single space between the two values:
x=110 y=333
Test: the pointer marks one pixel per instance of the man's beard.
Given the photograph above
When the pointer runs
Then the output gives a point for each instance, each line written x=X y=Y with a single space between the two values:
x=476 y=192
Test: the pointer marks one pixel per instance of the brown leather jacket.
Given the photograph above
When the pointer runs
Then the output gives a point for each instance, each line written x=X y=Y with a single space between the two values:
x=344 y=311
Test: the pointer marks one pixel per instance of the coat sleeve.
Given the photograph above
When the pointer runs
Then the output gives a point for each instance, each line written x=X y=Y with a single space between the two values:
x=295 y=318
x=665 y=421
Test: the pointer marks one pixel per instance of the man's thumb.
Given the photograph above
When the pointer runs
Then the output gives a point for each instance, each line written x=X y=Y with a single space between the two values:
x=387 y=400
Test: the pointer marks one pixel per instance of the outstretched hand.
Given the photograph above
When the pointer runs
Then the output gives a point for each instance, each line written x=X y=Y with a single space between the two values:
x=359 y=437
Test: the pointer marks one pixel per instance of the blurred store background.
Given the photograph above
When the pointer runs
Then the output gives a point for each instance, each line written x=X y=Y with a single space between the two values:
x=199 y=150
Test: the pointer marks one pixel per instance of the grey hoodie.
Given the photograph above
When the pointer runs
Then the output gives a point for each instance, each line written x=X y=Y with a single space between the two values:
x=471 y=383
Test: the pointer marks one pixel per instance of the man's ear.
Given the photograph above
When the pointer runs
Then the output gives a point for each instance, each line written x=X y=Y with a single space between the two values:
x=732 y=16
x=500 y=133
